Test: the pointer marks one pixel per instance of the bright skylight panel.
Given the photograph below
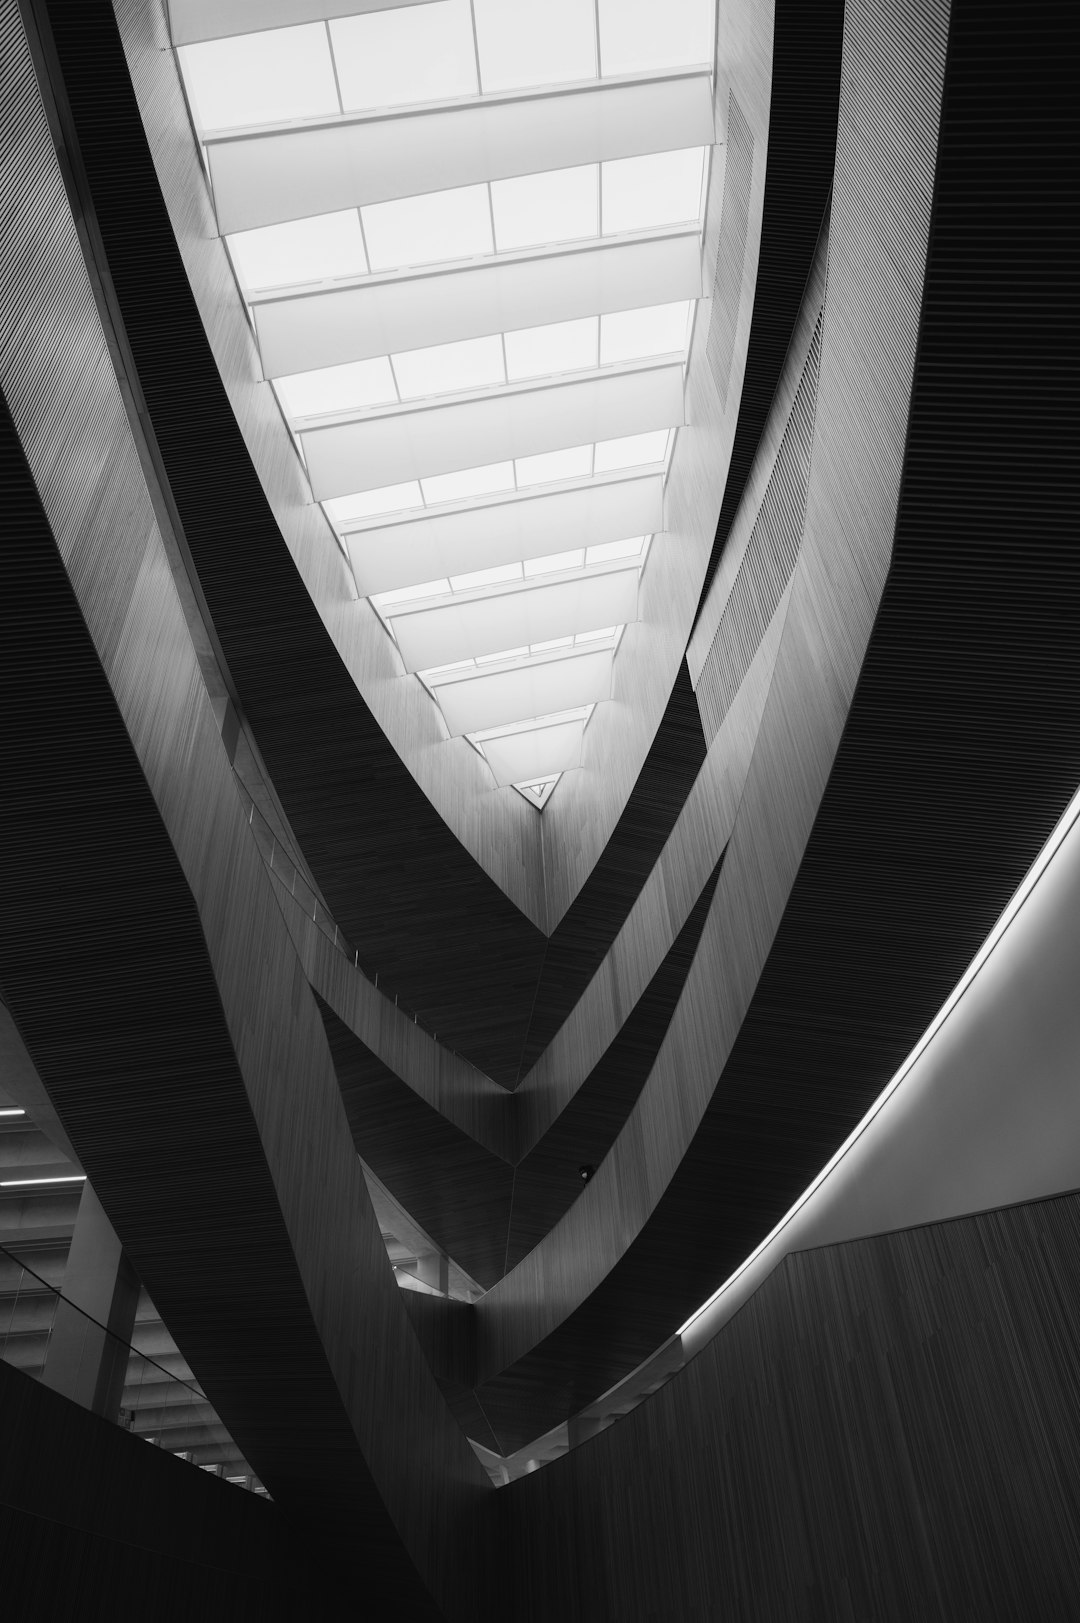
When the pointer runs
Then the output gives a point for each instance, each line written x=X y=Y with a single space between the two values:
x=597 y=636
x=503 y=654
x=267 y=78
x=497 y=576
x=407 y=594
x=320 y=249
x=472 y=364
x=545 y=469
x=398 y=57
x=456 y=487
x=549 y=647
x=369 y=503
x=605 y=551
x=337 y=388
x=564 y=346
x=663 y=188
x=560 y=205
x=454 y=224
x=632 y=451
x=640 y=36
x=632 y=335
x=555 y=561
x=522 y=43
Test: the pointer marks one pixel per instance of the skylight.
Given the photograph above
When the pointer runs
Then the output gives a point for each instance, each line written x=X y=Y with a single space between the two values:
x=393 y=58
x=496 y=332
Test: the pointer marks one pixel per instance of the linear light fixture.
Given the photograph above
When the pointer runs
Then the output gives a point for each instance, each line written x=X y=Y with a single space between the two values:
x=12 y=1112
x=993 y=940
x=24 y=1183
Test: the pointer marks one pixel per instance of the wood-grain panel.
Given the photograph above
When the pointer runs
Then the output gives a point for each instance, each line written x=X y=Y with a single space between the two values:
x=190 y=1068
x=889 y=1429
x=706 y=1150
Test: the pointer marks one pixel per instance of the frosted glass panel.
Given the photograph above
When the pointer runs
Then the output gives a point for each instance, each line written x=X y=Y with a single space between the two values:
x=560 y=206
x=369 y=503
x=536 y=753
x=354 y=323
x=263 y=177
x=421 y=549
x=522 y=43
x=260 y=78
x=631 y=335
x=390 y=58
x=456 y=487
x=345 y=457
x=192 y=20
x=499 y=697
x=331 y=245
x=427 y=230
x=338 y=388
x=508 y=619
x=473 y=364
x=663 y=188
x=631 y=451
x=575 y=463
x=564 y=346
x=642 y=36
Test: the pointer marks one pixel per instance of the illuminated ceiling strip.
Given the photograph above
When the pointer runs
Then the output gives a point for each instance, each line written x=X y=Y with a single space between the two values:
x=344 y=459
x=191 y=21
x=540 y=612
x=1069 y=817
x=535 y=752
x=494 y=699
x=390 y=556
x=303 y=332
x=12 y=1112
x=289 y=174
x=25 y=1183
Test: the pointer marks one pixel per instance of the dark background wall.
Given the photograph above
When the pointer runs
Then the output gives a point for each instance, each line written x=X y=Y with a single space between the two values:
x=94 y=1522
x=889 y=1429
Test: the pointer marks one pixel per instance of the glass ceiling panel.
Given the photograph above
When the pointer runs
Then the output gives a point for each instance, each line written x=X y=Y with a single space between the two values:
x=455 y=487
x=633 y=335
x=545 y=469
x=393 y=58
x=642 y=36
x=632 y=451
x=493 y=596
x=369 y=503
x=522 y=43
x=490 y=699
x=661 y=189
x=448 y=368
x=429 y=230
x=326 y=247
x=560 y=205
x=564 y=346
x=550 y=749
x=425 y=547
x=260 y=78
x=338 y=388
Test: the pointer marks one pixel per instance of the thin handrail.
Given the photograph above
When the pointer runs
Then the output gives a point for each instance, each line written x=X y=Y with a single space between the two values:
x=54 y=1291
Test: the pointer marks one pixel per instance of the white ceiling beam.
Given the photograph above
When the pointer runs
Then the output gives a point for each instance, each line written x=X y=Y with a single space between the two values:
x=367 y=453
x=192 y=21
x=390 y=556
x=306 y=331
x=535 y=753
x=291 y=173
x=498 y=698
x=465 y=627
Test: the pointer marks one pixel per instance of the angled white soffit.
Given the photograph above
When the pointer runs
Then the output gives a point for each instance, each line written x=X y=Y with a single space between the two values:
x=470 y=236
